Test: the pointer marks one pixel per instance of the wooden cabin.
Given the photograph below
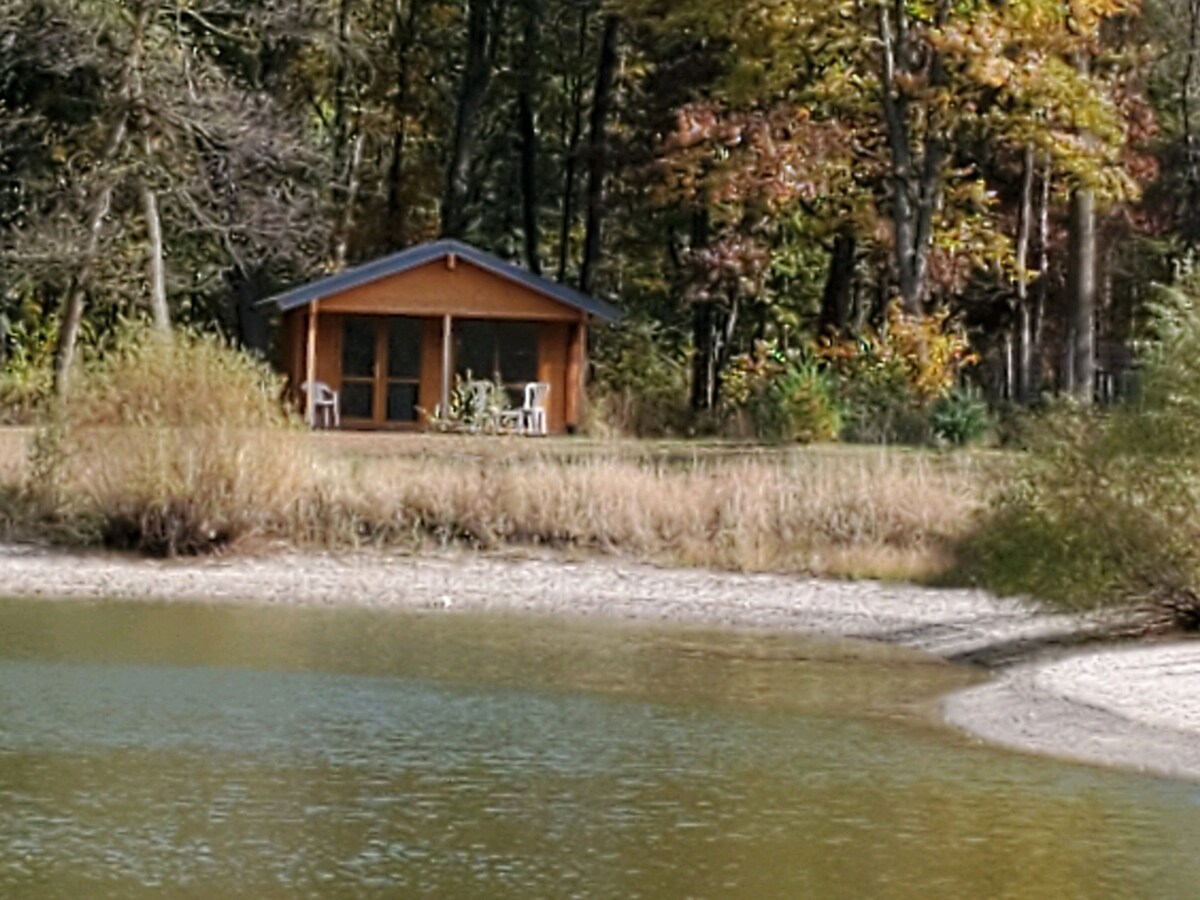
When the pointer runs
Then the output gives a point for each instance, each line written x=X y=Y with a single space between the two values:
x=391 y=335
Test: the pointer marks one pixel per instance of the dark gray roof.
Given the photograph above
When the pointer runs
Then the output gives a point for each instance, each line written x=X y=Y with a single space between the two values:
x=424 y=253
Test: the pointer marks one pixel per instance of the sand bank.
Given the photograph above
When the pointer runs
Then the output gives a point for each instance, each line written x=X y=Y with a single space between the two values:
x=1133 y=707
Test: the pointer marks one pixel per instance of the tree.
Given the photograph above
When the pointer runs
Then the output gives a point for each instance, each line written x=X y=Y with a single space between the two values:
x=484 y=18
x=163 y=155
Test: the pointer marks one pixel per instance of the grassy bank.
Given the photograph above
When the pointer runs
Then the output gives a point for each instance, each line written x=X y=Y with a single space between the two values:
x=838 y=511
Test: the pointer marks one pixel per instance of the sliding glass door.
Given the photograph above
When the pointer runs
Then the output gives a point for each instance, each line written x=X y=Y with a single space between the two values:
x=358 y=369
x=381 y=369
x=403 y=368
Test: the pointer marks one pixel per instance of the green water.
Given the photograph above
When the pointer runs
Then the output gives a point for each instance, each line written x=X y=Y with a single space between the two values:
x=158 y=751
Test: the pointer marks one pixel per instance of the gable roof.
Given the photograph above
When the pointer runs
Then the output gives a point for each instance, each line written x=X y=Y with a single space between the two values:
x=405 y=260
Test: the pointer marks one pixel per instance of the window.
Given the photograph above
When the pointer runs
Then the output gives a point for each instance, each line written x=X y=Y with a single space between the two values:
x=403 y=369
x=358 y=368
x=381 y=368
x=506 y=351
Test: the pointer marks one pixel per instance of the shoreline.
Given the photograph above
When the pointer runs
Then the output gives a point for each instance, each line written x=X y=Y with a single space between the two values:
x=1135 y=708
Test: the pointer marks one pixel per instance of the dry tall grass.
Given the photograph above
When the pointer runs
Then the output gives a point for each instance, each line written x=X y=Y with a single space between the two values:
x=878 y=514
x=168 y=447
x=181 y=448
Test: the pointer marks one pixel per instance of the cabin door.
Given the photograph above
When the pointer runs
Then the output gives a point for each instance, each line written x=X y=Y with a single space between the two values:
x=381 y=368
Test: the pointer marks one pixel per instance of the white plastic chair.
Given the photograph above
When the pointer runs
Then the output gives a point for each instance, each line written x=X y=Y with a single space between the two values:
x=531 y=417
x=324 y=405
x=535 y=406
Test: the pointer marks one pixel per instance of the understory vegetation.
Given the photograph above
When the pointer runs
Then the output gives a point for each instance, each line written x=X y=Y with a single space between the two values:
x=1104 y=507
x=901 y=383
x=165 y=445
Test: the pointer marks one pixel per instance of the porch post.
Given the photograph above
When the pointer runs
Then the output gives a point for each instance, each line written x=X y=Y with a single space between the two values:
x=447 y=324
x=576 y=368
x=310 y=370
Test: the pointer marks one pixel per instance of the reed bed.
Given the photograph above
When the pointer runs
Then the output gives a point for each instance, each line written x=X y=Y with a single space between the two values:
x=870 y=513
x=14 y=454
x=876 y=513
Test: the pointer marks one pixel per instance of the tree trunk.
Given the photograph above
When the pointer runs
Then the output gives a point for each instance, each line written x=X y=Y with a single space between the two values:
x=836 y=302
x=1010 y=364
x=403 y=28
x=1026 y=392
x=571 y=154
x=527 y=127
x=704 y=342
x=704 y=355
x=248 y=288
x=347 y=141
x=1042 y=285
x=1191 y=140
x=1081 y=288
x=476 y=76
x=598 y=153
x=68 y=332
x=712 y=333
x=341 y=249
x=1024 y=379
x=341 y=90
x=159 y=313
x=916 y=180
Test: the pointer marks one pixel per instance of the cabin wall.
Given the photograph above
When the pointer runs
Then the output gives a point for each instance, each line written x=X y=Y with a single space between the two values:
x=576 y=397
x=329 y=349
x=295 y=348
x=430 y=391
x=554 y=364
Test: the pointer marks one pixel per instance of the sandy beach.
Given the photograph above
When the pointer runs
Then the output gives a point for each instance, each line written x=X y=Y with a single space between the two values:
x=1137 y=708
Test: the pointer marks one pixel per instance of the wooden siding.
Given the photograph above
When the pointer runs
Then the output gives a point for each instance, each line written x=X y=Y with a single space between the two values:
x=576 y=366
x=552 y=369
x=430 y=391
x=465 y=292
x=329 y=349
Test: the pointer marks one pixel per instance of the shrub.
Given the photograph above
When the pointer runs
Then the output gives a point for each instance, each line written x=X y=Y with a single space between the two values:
x=475 y=404
x=888 y=381
x=960 y=417
x=639 y=387
x=170 y=447
x=1105 y=509
x=782 y=396
x=27 y=376
x=879 y=405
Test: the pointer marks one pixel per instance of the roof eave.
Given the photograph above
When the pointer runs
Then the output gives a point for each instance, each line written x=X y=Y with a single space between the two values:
x=405 y=260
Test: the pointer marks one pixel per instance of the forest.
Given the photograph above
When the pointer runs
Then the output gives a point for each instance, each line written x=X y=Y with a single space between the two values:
x=820 y=217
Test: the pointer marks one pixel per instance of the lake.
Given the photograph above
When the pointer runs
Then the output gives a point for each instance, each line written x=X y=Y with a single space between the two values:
x=154 y=750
